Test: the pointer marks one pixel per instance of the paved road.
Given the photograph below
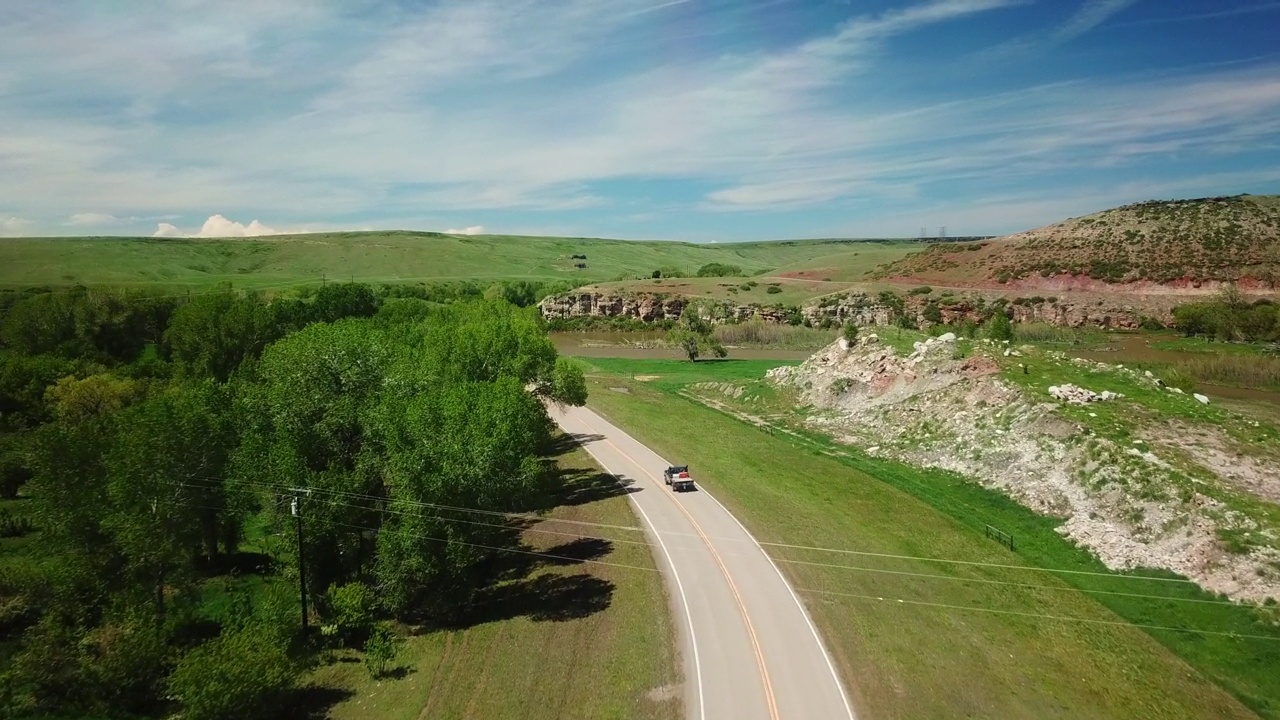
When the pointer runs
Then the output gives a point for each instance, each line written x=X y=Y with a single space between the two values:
x=748 y=647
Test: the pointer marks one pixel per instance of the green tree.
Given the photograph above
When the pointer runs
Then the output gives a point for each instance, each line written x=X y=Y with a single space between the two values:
x=76 y=399
x=343 y=300
x=212 y=335
x=1000 y=329
x=693 y=335
x=164 y=485
x=381 y=650
x=719 y=270
x=243 y=673
x=350 y=609
x=304 y=426
x=474 y=445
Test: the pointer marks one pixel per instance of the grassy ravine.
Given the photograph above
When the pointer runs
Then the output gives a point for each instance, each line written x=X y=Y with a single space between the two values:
x=389 y=256
x=616 y=662
x=917 y=661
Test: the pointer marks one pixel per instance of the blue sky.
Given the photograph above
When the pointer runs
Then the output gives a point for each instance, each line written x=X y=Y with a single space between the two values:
x=703 y=120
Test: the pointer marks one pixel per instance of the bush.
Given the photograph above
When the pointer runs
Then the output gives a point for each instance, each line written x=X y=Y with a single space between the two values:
x=13 y=525
x=381 y=650
x=851 y=333
x=773 y=290
x=1000 y=327
x=350 y=608
x=240 y=674
x=922 y=290
x=719 y=270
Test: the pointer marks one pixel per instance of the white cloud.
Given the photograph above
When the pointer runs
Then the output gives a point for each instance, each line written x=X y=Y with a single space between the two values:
x=218 y=226
x=473 y=230
x=168 y=230
x=10 y=225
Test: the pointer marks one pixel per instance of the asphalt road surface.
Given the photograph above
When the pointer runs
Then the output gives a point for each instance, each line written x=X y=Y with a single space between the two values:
x=748 y=648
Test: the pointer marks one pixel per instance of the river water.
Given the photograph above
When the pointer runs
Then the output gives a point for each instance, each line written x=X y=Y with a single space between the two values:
x=1124 y=348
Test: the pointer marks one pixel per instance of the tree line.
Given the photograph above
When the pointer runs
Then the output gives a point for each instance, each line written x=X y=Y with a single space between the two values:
x=1229 y=316
x=156 y=443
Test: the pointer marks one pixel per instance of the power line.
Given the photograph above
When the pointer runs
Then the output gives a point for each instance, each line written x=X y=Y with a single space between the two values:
x=986 y=581
x=977 y=563
x=1040 y=616
x=917 y=558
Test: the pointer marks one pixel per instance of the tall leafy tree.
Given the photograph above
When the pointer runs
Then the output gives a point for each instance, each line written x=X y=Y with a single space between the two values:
x=212 y=335
x=304 y=428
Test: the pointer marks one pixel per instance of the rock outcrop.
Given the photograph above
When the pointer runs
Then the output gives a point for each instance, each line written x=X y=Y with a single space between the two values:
x=643 y=307
x=941 y=407
x=854 y=307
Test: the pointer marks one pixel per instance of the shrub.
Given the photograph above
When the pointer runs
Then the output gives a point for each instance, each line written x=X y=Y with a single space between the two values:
x=922 y=290
x=381 y=650
x=719 y=270
x=656 y=274
x=932 y=313
x=13 y=524
x=240 y=674
x=350 y=609
x=773 y=290
x=851 y=333
x=1000 y=327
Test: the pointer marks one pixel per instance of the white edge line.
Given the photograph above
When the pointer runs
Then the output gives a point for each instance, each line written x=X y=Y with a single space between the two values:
x=684 y=601
x=844 y=695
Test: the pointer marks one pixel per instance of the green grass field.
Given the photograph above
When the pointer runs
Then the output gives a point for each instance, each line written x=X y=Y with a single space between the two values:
x=618 y=662
x=921 y=638
x=390 y=257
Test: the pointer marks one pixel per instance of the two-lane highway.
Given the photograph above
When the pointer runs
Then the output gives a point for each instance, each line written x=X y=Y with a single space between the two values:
x=748 y=646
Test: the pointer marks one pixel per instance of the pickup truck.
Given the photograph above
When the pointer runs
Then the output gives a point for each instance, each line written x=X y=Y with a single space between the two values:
x=677 y=476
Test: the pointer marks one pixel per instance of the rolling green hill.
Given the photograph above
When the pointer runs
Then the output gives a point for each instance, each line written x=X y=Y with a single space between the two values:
x=384 y=257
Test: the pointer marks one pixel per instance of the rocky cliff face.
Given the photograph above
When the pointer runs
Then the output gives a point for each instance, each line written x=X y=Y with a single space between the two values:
x=646 y=308
x=855 y=307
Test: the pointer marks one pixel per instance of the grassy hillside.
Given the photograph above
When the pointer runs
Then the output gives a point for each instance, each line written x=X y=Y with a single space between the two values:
x=1160 y=242
x=828 y=267
x=280 y=261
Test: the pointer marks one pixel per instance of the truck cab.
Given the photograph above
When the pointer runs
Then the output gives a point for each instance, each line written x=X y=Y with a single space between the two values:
x=677 y=476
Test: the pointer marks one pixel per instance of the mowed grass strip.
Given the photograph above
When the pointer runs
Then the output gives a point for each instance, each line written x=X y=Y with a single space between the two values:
x=616 y=662
x=904 y=660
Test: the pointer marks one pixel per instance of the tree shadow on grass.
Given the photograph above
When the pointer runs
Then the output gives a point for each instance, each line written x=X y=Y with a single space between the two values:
x=545 y=597
x=313 y=702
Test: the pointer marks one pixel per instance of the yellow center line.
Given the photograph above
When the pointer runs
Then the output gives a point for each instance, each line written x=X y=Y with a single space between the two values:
x=742 y=609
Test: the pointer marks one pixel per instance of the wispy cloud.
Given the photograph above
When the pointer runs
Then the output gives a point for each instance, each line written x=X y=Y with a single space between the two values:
x=92 y=219
x=472 y=230
x=1193 y=17
x=1090 y=15
x=584 y=113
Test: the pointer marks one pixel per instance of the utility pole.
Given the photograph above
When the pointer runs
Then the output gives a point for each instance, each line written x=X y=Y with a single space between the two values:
x=302 y=573
x=323 y=278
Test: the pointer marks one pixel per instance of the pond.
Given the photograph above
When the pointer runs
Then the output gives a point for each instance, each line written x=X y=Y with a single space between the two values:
x=1121 y=348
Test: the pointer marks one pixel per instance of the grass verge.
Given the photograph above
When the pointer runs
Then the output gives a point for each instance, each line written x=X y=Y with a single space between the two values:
x=919 y=638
